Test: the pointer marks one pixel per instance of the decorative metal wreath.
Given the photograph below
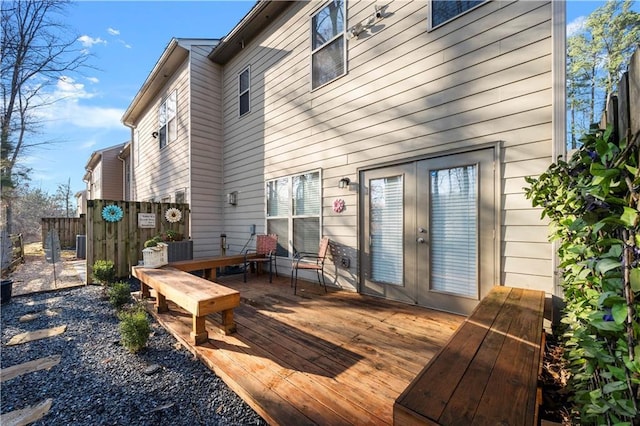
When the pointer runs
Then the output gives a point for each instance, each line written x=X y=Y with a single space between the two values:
x=173 y=215
x=112 y=213
x=338 y=205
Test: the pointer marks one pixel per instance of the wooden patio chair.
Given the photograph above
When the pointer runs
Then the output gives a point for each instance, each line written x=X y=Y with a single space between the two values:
x=310 y=261
x=266 y=246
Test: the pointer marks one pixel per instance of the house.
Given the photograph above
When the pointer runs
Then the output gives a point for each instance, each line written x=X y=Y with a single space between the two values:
x=81 y=202
x=106 y=174
x=401 y=130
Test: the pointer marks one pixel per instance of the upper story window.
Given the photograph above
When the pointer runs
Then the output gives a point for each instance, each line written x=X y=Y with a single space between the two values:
x=328 y=45
x=167 y=120
x=445 y=10
x=243 y=91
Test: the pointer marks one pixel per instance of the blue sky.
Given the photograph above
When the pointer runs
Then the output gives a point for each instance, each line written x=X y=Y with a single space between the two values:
x=125 y=39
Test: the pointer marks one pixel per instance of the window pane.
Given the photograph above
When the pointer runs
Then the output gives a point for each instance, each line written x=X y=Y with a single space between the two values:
x=454 y=230
x=306 y=194
x=328 y=23
x=306 y=234
x=444 y=10
x=278 y=197
x=162 y=114
x=280 y=227
x=244 y=103
x=244 y=81
x=162 y=136
x=386 y=229
x=328 y=62
x=171 y=106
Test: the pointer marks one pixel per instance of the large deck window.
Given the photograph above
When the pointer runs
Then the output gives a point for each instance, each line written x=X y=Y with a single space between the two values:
x=293 y=212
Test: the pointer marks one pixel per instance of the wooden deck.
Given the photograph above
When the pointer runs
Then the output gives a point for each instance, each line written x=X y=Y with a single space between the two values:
x=337 y=358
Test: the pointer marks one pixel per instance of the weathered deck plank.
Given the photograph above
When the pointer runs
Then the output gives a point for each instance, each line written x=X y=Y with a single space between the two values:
x=316 y=358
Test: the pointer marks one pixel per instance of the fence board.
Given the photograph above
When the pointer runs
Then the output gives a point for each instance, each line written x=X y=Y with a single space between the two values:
x=122 y=241
x=67 y=227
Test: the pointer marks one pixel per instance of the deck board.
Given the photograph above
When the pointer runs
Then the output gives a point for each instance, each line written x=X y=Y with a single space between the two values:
x=317 y=358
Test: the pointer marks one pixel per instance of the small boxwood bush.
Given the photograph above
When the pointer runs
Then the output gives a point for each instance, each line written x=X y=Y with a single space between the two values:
x=119 y=294
x=104 y=271
x=134 y=328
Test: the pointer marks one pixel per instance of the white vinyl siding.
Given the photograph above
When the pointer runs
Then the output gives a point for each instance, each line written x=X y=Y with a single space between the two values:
x=483 y=77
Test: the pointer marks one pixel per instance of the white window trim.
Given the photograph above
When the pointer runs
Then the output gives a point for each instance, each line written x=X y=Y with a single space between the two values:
x=290 y=216
x=344 y=50
x=248 y=91
x=431 y=27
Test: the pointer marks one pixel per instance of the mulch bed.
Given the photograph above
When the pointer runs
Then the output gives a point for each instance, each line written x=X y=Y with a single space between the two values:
x=554 y=380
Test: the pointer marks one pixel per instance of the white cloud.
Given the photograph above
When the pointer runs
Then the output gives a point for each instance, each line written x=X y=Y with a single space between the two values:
x=88 y=41
x=576 y=26
x=125 y=44
x=113 y=31
x=66 y=106
x=93 y=80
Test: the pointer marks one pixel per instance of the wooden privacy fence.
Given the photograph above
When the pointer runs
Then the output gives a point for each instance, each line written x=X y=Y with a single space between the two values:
x=623 y=108
x=67 y=228
x=122 y=240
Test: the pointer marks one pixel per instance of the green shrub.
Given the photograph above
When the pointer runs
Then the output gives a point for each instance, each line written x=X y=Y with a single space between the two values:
x=119 y=294
x=134 y=328
x=104 y=272
x=150 y=243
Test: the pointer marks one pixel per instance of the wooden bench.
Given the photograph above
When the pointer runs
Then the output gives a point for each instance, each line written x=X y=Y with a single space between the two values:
x=487 y=374
x=198 y=296
x=209 y=264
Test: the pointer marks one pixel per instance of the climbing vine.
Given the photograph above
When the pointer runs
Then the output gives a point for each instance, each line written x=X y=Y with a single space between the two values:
x=593 y=204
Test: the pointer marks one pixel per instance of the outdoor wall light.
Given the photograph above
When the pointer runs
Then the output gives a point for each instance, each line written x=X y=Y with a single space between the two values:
x=344 y=183
x=154 y=135
x=232 y=198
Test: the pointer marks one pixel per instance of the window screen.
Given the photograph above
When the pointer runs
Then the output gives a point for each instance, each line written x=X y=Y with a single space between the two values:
x=445 y=10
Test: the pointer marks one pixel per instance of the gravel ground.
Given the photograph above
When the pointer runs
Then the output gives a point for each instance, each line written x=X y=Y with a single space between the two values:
x=99 y=382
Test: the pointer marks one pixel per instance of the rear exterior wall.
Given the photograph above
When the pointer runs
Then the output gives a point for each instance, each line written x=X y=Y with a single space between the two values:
x=483 y=78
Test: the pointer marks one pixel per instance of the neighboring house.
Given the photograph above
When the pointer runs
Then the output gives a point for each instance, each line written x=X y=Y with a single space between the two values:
x=177 y=138
x=81 y=202
x=105 y=173
x=403 y=131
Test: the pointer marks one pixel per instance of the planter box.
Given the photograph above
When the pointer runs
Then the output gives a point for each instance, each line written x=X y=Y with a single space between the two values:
x=155 y=257
x=180 y=250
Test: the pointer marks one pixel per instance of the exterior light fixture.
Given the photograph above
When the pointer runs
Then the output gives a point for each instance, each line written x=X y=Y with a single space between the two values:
x=232 y=198
x=344 y=183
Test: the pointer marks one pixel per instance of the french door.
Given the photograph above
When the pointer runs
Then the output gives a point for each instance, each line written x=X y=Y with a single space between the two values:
x=429 y=231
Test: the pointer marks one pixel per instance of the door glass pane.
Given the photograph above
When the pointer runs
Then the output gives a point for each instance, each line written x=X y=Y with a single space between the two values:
x=454 y=230
x=386 y=229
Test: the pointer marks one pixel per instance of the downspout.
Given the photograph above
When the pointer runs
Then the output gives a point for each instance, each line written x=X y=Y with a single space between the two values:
x=559 y=116
x=124 y=175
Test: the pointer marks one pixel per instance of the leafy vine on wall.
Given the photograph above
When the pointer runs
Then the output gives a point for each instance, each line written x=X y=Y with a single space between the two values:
x=593 y=203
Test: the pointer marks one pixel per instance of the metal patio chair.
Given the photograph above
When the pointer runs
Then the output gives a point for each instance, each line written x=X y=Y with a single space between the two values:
x=266 y=246
x=310 y=261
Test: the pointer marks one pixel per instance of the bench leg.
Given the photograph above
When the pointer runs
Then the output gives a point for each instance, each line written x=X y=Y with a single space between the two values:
x=161 y=303
x=144 y=290
x=228 y=325
x=199 y=333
